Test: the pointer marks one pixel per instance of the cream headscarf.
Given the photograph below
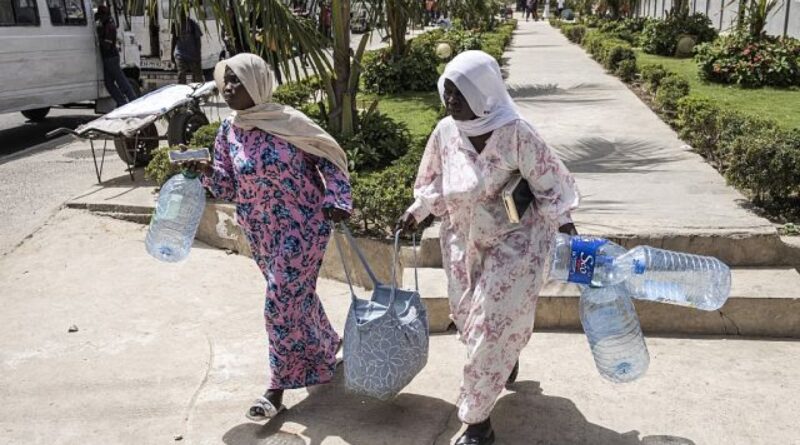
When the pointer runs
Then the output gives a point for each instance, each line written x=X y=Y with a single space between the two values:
x=280 y=120
x=477 y=75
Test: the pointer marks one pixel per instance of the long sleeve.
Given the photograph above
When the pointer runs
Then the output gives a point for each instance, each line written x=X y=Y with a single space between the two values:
x=552 y=184
x=338 y=193
x=220 y=181
x=428 y=196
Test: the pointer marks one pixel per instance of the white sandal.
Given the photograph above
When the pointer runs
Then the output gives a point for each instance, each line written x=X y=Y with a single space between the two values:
x=269 y=410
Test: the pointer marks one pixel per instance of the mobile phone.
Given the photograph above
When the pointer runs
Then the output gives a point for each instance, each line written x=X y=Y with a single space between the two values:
x=194 y=154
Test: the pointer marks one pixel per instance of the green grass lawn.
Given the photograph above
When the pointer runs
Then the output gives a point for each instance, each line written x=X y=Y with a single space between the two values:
x=780 y=105
x=419 y=111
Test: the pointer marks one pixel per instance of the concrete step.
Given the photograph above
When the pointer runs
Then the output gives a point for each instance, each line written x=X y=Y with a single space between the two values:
x=751 y=247
x=763 y=303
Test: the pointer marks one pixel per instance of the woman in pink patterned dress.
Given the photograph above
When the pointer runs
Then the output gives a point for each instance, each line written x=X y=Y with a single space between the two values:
x=495 y=268
x=289 y=181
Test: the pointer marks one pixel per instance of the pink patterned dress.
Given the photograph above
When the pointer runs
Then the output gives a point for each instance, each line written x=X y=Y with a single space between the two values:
x=495 y=269
x=280 y=192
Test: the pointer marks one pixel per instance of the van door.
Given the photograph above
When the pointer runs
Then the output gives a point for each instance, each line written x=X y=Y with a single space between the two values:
x=49 y=54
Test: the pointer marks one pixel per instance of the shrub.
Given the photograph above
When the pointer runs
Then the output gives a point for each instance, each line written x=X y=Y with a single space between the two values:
x=698 y=123
x=379 y=141
x=661 y=36
x=626 y=70
x=671 y=89
x=652 y=76
x=380 y=197
x=205 y=136
x=296 y=94
x=712 y=131
x=159 y=169
x=628 y=29
x=607 y=50
x=749 y=62
x=574 y=33
x=417 y=71
x=616 y=53
x=767 y=163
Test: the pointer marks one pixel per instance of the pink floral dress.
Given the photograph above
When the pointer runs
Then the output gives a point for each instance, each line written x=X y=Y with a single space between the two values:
x=495 y=269
x=280 y=192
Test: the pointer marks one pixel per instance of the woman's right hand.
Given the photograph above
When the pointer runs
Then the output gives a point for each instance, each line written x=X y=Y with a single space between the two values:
x=197 y=167
x=405 y=223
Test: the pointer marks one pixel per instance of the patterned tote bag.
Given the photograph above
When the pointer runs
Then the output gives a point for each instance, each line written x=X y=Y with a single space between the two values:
x=385 y=337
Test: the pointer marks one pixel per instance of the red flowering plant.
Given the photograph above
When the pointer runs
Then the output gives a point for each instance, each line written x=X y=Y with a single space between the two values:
x=751 y=61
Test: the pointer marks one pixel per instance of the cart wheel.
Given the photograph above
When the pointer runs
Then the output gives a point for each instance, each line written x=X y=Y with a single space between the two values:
x=183 y=125
x=127 y=147
x=36 y=114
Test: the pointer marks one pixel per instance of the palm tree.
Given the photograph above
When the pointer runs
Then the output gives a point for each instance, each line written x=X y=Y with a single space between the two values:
x=270 y=29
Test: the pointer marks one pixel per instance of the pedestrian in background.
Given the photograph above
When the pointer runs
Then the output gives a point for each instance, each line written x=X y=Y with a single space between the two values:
x=186 y=48
x=114 y=79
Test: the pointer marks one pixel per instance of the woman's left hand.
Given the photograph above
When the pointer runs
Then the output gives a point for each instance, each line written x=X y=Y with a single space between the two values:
x=336 y=215
x=568 y=229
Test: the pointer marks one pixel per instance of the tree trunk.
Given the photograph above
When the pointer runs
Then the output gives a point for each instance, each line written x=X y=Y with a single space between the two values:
x=342 y=112
x=397 y=20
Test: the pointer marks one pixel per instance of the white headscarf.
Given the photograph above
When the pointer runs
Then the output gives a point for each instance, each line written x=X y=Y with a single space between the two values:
x=477 y=75
x=280 y=120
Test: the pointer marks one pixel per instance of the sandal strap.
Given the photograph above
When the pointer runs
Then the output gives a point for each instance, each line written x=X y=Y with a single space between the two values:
x=269 y=409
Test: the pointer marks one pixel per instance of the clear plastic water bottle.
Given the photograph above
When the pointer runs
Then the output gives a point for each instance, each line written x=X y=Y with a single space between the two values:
x=650 y=274
x=615 y=336
x=174 y=223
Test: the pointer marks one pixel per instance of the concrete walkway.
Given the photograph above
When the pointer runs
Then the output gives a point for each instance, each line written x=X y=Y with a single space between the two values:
x=636 y=178
x=165 y=351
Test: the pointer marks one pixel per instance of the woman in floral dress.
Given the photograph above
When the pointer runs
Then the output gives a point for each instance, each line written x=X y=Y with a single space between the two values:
x=495 y=268
x=289 y=181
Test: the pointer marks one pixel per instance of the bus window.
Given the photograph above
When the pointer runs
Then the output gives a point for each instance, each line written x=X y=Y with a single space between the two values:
x=19 y=13
x=67 y=12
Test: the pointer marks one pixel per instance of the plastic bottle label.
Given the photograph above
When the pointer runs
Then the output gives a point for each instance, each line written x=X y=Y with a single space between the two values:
x=173 y=207
x=583 y=259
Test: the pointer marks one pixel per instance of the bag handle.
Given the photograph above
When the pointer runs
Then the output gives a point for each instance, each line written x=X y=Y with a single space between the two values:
x=363 y=260
x=346 y=269
x=361 y=257
x=394 y=266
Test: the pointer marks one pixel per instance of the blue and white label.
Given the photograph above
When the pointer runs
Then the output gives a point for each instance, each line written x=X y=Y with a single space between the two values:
x=583 y=259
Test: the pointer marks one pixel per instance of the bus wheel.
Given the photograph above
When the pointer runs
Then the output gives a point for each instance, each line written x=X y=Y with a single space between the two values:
x=36 y=114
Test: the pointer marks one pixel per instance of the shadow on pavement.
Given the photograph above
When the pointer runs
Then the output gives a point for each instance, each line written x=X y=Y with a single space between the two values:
x=34 y=133
x=528 y=417
x=330 y=411
x=596 y=154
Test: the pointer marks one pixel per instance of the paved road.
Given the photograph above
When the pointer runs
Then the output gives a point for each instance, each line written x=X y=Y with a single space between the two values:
x=17 y=133
x=35 y=183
